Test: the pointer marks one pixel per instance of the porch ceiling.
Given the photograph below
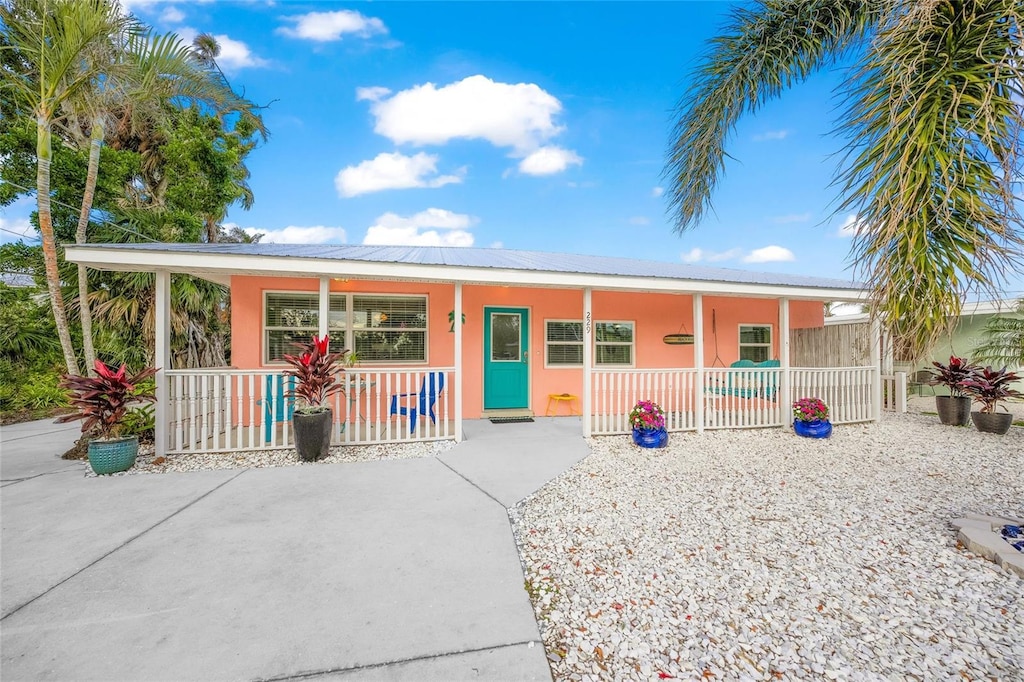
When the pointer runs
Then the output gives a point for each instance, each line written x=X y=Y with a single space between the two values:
x=219 y=262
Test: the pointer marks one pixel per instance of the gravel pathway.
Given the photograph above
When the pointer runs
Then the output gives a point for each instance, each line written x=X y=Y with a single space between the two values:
x=759 y=555
x=148 y=463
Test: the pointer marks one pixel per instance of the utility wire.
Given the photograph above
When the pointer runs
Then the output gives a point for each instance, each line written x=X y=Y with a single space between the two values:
x=19 y=234
x=79 y=208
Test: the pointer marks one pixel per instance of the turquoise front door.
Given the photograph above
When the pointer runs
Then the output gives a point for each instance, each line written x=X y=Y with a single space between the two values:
x=506 y=358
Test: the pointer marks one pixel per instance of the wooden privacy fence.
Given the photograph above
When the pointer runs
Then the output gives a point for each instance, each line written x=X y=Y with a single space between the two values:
x=223 y=409
x=731 y=397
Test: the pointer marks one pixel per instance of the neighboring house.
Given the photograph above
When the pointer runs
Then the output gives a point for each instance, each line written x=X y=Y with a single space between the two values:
x=536 y=326
x=966 y=338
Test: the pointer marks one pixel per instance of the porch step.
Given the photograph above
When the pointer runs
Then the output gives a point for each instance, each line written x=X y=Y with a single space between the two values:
x=487 y=414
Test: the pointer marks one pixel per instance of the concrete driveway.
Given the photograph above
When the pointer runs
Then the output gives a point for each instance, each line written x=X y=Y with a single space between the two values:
x=389 y=570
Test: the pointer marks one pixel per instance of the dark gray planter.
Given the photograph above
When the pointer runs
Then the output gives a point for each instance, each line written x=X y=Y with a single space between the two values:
x=992 y=422
x=312 y=434
x=953 y=410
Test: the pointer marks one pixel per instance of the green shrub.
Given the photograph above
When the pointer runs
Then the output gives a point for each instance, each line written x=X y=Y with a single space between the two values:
x=42 y=391
x=140 y=421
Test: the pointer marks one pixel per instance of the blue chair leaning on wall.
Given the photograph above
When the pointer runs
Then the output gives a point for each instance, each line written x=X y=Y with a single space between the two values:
x=404 y=405
x=281 y=407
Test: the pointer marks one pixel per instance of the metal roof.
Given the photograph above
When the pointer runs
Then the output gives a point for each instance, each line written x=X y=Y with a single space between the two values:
x=500 y=259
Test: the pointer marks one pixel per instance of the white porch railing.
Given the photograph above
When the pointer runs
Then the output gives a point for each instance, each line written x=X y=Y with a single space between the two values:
x=732 y=398
x=894 y=392
x=223 y=409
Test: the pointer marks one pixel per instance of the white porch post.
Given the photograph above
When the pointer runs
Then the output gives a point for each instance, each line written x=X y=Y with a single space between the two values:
x=784 y=362
x=325 y=308
x=458 y=378
x=698 y=360
x=588 y=361
x=162 y=360
x=876 y=369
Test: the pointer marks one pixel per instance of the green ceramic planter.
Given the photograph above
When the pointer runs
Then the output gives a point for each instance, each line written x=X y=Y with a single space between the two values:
x=112 y=456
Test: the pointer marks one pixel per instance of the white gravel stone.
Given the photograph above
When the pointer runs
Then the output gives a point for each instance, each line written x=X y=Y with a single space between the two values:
x=757 y=554
x=148 y=463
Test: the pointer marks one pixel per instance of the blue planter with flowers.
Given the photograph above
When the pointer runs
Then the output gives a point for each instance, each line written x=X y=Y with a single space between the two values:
x=810 y=418
x=647 y=420
x=819 y=428
x=650 y=438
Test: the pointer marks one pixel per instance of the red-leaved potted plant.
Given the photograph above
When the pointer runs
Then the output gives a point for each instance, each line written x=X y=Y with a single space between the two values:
x=989 y=387
x=102 y=403
x=954 y=409
x=316 y=379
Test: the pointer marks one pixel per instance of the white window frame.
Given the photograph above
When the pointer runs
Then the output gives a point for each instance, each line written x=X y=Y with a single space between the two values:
x=547 y=363
x=264 y=329
x=739 y=338
x=349 y=336
x=631 y=344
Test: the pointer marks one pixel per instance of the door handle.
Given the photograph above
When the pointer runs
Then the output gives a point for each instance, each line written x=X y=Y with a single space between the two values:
x=526 y=356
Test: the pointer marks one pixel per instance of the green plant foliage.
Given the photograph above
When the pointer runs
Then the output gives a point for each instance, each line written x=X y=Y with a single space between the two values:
x=1004 y=340
x=932 y=128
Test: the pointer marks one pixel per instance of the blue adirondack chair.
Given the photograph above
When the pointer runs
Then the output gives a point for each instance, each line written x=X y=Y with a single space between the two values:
x=412 y=405
x=277 y=406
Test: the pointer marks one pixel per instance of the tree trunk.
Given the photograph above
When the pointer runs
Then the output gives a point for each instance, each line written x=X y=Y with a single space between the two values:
x=85 y=311
x=43 y=156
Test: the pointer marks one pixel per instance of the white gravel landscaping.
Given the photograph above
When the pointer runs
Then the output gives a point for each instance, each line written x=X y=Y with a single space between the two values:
x=148 y=463
x=760 y=555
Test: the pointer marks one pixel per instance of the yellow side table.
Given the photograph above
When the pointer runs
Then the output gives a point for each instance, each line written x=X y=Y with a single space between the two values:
x=556 y=398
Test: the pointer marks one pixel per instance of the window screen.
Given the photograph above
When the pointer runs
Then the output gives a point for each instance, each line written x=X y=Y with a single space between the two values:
x=613 y=343
x=563 y=342
x=390 y=328
x=755 y=342
x=289 y=318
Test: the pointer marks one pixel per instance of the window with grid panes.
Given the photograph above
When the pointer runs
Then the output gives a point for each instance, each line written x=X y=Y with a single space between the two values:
x=289 y=318
x=755 y=342
x=563 y=342
x=389 y=328
x=613 y=343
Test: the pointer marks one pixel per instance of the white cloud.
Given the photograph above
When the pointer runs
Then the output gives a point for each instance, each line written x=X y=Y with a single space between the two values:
x=392 y=171
x=234 y=54
x=657 y=191
x=850 y=227
x=372 y=94
x=422 y=229
x=549 y=160
x=791 y=218
x=326 y=27
x=639 y=220
x=15 y=229
x=696 y=254
x=520 y=116
x=769 y=254
x=172 y=15
x=771 y=135
x=316 y=234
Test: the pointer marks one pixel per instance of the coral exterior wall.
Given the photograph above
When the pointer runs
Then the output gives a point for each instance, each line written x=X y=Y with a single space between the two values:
x=654 y=315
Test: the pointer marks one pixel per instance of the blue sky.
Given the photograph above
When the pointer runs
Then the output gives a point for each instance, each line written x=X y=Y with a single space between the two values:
x=518 y=125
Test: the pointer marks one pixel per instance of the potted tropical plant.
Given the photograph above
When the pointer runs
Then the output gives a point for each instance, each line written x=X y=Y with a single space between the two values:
x=954 y=409
x=102 y=403
x=315 y=370
x=810 y=418
x=647 y=420
x=990 y=386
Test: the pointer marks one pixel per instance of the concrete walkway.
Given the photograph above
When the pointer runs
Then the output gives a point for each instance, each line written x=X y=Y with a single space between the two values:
x=389 y=570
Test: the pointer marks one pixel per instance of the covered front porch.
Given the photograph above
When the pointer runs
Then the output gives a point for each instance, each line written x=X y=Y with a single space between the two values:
x=604 y=330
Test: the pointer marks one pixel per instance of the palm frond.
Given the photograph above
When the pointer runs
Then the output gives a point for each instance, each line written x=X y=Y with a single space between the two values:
x=762 y=51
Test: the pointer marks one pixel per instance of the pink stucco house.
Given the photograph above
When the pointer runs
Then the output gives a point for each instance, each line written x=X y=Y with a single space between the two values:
x=606 y=331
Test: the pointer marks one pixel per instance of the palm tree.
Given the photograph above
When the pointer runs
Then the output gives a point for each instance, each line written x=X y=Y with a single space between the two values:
x=1004 y=340
x=933 y=130
x=147 y=72
x=64 y=47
